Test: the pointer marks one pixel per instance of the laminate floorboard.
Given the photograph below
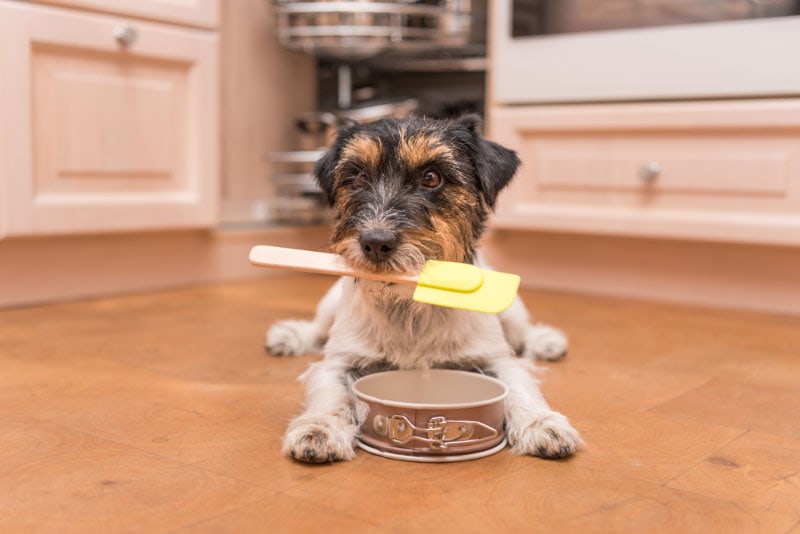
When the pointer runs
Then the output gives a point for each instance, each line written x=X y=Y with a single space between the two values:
x=162 y=412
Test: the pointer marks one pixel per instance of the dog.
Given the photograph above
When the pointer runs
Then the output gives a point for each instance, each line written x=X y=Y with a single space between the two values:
x=405 y=191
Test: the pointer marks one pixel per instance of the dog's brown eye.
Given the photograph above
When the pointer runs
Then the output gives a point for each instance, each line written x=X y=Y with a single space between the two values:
x=431 y=179
x=360 y=180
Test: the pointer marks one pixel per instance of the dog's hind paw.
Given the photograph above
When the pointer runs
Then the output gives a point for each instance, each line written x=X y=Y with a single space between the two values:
x=550 y=436
x=293 y=338
x=542 y=342
x=319 y=439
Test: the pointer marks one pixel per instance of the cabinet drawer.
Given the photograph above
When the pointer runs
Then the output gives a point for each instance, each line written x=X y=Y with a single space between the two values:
x=710 y=170
x=106 y=136
x=200 y=13
x=652 y=163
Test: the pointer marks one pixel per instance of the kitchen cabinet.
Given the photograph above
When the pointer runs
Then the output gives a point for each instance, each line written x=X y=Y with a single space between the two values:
x=668 y=123
x=722 y=171
x=658 y=163
x=109 y=123
x=200 y=13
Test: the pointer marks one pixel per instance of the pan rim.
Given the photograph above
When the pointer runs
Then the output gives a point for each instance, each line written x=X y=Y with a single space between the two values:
x=430 y=405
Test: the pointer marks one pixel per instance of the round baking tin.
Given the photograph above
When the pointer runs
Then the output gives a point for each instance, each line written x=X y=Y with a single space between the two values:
x=431 y=415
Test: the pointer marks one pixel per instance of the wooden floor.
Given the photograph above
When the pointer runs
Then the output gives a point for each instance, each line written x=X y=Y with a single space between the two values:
x=162 y=412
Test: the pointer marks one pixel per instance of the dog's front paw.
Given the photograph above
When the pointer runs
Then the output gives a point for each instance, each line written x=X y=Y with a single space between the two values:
x=318 y=439
x=550 y=436
x=293 y=338
x=544 y=342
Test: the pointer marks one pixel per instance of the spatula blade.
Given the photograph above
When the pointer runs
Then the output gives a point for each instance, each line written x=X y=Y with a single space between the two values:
x=451 y=276
x=495 y=294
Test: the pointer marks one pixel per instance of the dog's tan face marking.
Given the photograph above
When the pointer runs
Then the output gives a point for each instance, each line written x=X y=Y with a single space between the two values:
x=362 y=150
x=450 y=234
x=360 y=158
x=454 y=228
x=417 y=150
x=452 y=231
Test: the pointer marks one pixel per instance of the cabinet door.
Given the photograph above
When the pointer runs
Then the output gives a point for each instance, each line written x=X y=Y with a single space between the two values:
x=99 y=135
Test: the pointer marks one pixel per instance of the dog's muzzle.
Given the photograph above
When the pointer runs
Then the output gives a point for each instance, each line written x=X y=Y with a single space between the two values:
x=432 y=415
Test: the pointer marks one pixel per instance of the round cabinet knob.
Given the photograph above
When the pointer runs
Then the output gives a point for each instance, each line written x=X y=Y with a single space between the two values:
x=125 y=34
x=649 y=171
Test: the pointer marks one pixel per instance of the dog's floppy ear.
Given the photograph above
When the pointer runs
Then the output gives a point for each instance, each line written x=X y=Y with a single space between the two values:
x=495 y=165
x=326 y=165
x=323 y=171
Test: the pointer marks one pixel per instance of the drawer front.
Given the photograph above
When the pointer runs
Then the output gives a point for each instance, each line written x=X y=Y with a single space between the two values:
x=711 y=170
x=684 y=162
x=199 y=13
x=109 y=137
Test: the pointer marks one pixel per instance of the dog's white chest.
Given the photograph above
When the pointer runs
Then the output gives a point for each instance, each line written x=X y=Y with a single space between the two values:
x=408 y=334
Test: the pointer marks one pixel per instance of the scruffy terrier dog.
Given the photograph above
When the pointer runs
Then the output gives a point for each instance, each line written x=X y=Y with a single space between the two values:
x=406 y=191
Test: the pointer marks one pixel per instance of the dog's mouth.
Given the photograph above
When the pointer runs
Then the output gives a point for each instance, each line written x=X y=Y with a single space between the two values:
x=404 y=258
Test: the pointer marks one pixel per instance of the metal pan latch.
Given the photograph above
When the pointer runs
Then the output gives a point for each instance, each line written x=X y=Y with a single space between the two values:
x=439 y=433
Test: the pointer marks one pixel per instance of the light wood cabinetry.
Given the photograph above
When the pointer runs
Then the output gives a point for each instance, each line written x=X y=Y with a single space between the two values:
x=115 y=157
x=100 y=134
x=722 y=171
x=688 y=192
x=200 y=13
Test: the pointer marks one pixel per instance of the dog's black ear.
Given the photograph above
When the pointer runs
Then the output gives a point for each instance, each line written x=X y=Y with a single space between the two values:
x=323 y=172
x=326 y=165
x=495 y=165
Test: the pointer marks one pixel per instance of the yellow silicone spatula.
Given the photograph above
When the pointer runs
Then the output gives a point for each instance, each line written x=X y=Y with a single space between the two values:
x=443 y=283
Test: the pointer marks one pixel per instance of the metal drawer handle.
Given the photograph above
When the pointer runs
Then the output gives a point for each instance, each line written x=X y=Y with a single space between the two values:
x=649 y=171
x=125 y=34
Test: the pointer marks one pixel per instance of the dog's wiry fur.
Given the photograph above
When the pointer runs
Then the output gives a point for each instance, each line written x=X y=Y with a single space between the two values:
x=426 y=187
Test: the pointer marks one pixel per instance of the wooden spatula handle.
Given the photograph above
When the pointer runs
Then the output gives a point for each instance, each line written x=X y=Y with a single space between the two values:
x=318 y=262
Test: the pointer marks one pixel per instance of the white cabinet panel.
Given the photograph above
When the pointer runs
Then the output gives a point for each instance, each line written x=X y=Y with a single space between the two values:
x=107 y=136
x=201 y=13
x=723 y=171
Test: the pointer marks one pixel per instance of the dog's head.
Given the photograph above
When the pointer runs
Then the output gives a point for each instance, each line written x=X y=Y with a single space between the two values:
x=406 y=191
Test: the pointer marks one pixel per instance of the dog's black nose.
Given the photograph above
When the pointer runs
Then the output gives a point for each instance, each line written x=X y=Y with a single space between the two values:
x=377 y=244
